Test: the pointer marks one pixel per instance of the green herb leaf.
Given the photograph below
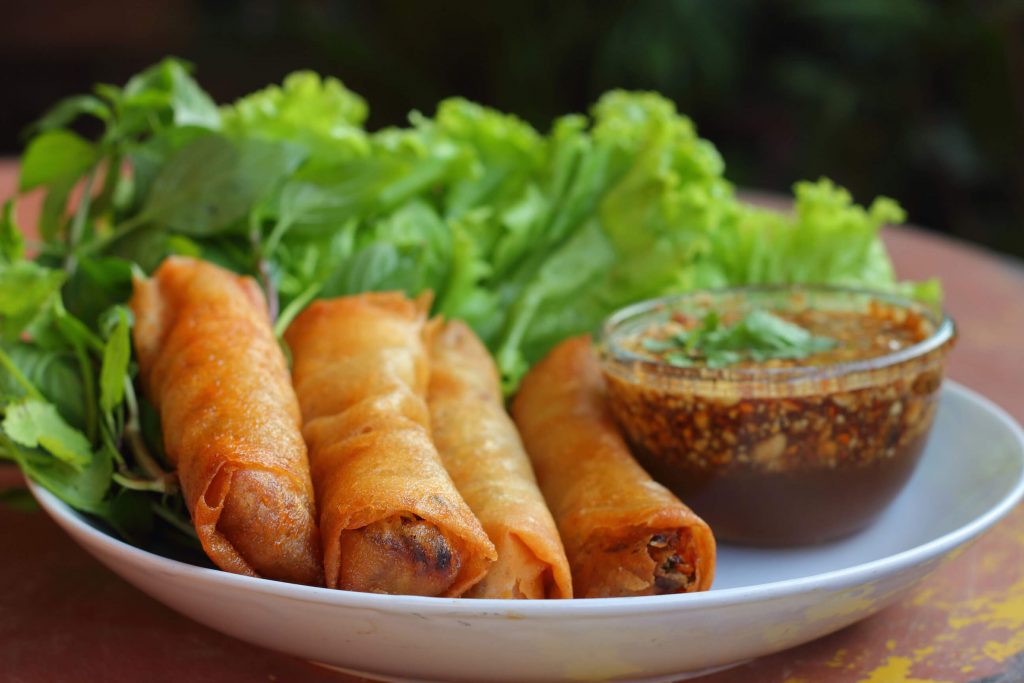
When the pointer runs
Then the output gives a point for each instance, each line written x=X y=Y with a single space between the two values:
x=56 y=155
x=12 y=242
x=84 y=488
x=25 y=289
x=98 y=284
x=55 y=205
x=163 y=97
x=38 y=424
x=69 y=109
x=320 y=114
x=52 y=373
x=116 y=356
x=758 y=336
x=212 y=182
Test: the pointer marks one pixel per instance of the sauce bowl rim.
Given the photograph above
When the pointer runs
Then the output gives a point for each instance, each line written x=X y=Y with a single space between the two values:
x=610 y=352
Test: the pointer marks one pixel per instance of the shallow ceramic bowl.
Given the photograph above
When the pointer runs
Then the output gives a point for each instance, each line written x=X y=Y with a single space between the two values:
x=763 y=600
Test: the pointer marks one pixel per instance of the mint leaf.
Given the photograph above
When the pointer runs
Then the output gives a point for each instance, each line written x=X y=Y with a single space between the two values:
x=38 y=424
x=56 y=155
x=116 y=355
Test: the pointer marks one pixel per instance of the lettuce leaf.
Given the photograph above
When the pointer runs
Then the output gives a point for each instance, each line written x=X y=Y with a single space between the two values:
x=320 y=114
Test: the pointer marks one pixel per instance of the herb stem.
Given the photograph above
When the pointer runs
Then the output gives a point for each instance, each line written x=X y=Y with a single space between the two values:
x=78 y=223
x=263 y=269
x=88 y=391
x=111 y=181
x=119 y=231
x=293 y=308
x=273 y=304
x=129 y=482
x=133 y=431
x=270 y=246
x=173 y=519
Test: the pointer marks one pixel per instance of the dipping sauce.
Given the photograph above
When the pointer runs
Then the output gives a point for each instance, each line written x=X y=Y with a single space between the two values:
x=803 y=435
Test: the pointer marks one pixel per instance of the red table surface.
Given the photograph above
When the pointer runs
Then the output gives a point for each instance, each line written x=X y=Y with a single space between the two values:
x=65 y=617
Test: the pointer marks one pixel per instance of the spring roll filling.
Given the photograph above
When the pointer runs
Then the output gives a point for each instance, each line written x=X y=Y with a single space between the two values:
x=401 y=554
x=640 y=561
x=673 y=573
x=265 y=524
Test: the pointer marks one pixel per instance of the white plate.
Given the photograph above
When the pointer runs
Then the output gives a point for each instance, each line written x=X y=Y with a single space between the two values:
x=971 y=474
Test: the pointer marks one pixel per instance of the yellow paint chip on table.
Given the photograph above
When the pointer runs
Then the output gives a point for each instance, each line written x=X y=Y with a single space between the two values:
x=995 y=611
x=896 y=670
x=837 y=659
x=1001 y=651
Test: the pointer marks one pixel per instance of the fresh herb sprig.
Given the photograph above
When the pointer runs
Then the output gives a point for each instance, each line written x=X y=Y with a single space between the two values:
x=758 y=336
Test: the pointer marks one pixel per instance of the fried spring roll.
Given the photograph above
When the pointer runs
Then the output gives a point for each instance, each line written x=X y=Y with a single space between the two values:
x=624 y=533
x=391 y=519
x=482 y=452
x=211 y=366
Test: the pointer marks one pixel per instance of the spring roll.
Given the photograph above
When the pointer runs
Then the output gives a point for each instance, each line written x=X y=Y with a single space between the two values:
x=624 y=533
x=483 y=454
x=391 y=519
x=211 y=366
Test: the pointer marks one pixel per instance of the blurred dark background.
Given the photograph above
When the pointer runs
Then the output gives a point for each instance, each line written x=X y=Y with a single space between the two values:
x=921 y=101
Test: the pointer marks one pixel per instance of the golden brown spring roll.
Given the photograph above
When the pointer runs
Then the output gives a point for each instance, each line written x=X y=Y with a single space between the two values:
x=624 y=533
x=391 y=519
x=482 y=452
x=210 y=364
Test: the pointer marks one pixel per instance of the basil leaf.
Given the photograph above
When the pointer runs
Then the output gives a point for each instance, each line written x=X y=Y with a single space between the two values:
x=212 y=182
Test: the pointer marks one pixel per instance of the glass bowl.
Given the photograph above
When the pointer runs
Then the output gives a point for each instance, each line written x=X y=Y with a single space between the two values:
x=780 y=452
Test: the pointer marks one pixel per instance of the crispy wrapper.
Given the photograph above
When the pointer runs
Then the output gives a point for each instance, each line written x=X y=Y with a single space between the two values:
x=391 y=519
x=211 y=366
x=482 y=452
x=624 y=533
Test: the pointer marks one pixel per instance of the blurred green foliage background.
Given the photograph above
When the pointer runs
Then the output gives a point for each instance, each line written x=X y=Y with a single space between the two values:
x=921 y=101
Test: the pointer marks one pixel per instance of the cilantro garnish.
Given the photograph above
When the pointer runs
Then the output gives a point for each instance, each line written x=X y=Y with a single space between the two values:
x=758 y=336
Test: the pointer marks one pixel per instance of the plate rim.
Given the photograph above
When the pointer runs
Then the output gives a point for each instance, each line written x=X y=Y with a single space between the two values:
x=74 y=523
